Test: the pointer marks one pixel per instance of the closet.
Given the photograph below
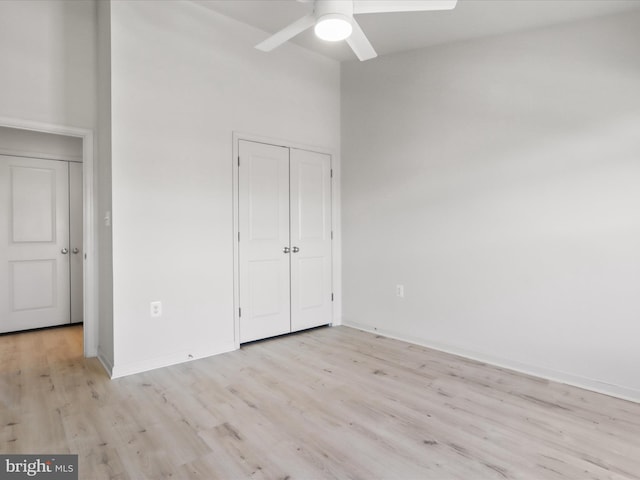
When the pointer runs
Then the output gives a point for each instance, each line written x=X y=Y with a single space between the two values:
x=41 y=258
x=284 y=240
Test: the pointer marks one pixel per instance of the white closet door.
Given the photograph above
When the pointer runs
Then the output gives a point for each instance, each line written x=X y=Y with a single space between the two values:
x=34 y=241
x=310 y=239
x=75 y=241
x=264 y=234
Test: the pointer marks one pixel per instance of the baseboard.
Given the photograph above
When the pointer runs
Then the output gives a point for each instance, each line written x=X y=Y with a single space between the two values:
x=618 y=391
x=123 y=370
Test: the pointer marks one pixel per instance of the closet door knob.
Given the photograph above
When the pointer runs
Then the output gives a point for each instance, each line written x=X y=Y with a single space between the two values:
x=296 y=249
x=285 y=250
x=64 y=251
x=75 y=250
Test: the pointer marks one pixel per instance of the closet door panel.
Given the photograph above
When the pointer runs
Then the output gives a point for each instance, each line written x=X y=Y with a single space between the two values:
x=75 y=241
x=310 y=239
x=264 y=233
x=34 y=241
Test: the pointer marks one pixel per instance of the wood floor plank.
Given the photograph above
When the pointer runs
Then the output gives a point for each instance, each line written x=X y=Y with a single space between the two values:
x=327 y=403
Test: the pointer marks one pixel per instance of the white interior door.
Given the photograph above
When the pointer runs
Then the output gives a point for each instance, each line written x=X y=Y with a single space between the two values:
x=75 y=241
x=34 y=242
x=311 y=295
x=263 y=208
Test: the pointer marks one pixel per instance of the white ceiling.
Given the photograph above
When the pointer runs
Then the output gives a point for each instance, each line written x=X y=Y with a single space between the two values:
x=397 y=32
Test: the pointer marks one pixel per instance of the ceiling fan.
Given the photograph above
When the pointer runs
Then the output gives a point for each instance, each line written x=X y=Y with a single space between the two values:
x=334 y=21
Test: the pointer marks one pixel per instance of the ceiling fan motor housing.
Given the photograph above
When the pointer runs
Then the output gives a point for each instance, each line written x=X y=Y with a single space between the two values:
x=333 y=7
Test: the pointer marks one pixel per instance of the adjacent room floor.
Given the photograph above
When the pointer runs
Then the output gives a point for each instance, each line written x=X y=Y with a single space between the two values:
x=328 y=403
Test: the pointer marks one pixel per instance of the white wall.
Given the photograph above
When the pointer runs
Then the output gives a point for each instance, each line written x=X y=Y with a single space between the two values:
x=183 y=79
x=47 y=54
x=498 y=180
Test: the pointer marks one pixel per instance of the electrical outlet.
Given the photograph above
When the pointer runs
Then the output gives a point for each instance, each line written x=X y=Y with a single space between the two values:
x=400 y=291
x=156 y=309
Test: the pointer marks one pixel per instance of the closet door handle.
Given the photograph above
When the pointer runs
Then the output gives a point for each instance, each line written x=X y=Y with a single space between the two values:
x=64 y=251
x=296 y=249
x=75 y=250
x=285 y=250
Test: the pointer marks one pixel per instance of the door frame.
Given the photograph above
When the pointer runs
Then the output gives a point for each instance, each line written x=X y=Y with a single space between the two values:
x=89 y=227
x=336 y=250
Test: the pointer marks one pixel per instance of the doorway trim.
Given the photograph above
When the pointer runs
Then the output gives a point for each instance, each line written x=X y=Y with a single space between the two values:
x=336 y=250
x=90 y=328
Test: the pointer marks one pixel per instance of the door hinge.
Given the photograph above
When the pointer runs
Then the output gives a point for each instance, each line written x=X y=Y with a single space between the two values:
x=332 y=173
x=238 y=160
x=239 y=312
x=332 y=297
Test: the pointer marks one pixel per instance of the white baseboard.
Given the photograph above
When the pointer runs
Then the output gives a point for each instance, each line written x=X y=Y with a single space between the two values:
x=598 y=386
x=120 y=370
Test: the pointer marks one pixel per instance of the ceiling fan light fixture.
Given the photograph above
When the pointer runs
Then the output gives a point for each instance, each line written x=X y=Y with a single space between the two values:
x=333 y=27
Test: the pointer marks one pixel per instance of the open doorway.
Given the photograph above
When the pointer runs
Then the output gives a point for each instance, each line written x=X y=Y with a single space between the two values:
x=48 y=265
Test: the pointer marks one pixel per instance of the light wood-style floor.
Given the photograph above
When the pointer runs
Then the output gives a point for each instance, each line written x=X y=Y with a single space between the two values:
x=329 y=403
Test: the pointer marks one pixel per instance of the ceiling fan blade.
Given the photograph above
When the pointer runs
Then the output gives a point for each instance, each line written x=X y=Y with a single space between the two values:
x=380 y=6
x=287 y=33
x=360 y=44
